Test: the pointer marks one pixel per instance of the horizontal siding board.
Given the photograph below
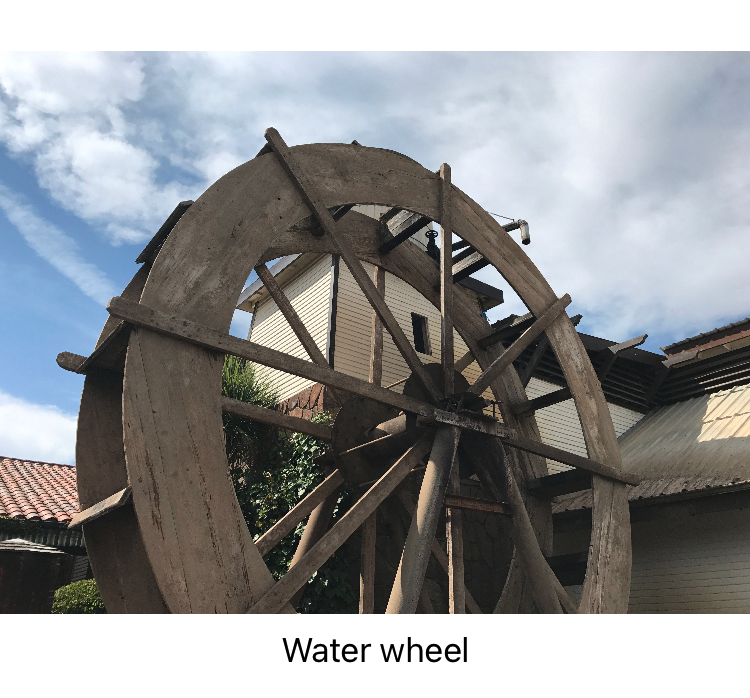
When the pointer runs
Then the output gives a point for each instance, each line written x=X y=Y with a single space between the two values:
x=692 y=564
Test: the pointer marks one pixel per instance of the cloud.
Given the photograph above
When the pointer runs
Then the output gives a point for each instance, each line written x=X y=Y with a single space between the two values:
x=631 y=168
x=36 y=432
x=55 y=247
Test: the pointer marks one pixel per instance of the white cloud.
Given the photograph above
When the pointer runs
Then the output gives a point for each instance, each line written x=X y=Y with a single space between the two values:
x=55 y=247
x=36 y=432
x=631 y=168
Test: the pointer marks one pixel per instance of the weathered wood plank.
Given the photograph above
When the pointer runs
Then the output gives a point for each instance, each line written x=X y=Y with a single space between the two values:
x=152 y=248
x=483 y=426
x=203 y=336
x=403 y=236
x=274 y=599
x=276 y=419
x=506 y=359
x=539 y=351
x=311 y=197
x=107 y=505
x=303 y=508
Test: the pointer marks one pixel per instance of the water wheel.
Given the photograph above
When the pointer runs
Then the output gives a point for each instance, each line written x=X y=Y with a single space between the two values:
x=162 y=524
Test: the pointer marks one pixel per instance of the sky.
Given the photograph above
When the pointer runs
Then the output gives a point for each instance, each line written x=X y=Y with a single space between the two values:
x=631 y=169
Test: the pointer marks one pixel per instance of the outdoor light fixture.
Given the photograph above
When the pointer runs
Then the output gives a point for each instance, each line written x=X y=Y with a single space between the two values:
x=524 y=228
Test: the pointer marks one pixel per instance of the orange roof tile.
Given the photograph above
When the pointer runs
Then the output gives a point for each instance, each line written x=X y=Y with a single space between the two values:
x=37 y=491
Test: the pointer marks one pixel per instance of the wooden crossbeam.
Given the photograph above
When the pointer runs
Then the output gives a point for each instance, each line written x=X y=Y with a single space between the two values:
x=454 y=501
x=376 y=337
x=505 y=332
x=468 y=266
x=568 y=458
x=287 y=523
x=101 y=508
x=311 y=198
x=557 y=484
x=480 y=424
x=278 y=595
x=198 y=334
x=404 y=235
x=504 y=361
x=109 y=355
x=273 y=418
x=463 y=254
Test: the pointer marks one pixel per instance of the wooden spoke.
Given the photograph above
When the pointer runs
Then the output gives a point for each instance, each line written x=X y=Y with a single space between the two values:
x=549 y=594
x=411 y=570
x=367 y=565
x=504 y=361
x=455 y=544
x=290 y=315
x=289 y=521
x=275 y=598
x=439 y=554
x=275 y=419
x=102 y=508
x=539 y=351
x=195 y=333
x=376 y=342
x=464 y=362
x=446 y=280
x=311 y=198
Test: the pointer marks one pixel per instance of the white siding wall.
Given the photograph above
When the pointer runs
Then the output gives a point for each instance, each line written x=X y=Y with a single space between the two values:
x=698 y=564
x=559 y=424
x=308 y=293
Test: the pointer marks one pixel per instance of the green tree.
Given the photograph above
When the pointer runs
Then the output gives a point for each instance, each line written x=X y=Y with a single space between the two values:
x=78 y=597
x=271 y=471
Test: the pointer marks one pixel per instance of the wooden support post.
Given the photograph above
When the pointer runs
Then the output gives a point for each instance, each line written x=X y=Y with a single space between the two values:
x=454 y=533
x=504 y=361
x=411 y=570
x=367 y=565
x=446 y=280
x=376 y=341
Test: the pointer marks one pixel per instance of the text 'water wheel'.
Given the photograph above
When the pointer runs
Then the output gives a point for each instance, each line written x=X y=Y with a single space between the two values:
x=150 y=424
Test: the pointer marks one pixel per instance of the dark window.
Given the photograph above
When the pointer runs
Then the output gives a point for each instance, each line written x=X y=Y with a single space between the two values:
x=421 y=334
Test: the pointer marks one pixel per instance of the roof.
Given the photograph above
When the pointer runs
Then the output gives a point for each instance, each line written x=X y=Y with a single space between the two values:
x=704 y=337
x=25 y=546
x=700 y=445
x=37 y=491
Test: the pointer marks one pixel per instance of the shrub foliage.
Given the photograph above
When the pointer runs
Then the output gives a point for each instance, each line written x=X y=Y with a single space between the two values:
x=78 y=597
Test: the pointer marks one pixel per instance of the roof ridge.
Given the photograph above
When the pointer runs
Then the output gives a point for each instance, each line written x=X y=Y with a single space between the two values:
x=36 y=462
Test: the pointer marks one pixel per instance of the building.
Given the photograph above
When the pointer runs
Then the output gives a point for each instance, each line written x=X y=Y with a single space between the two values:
x=37 y=502
x=682 y=418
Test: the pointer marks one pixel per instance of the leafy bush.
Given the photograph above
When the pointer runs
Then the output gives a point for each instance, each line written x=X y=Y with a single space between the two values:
x=271 y=471
x=78 y=597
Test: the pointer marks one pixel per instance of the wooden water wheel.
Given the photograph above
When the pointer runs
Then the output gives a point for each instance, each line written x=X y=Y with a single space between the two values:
x=162 y=524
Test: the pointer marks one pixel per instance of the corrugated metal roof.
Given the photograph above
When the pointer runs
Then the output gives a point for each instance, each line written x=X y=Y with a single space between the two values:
x=704 y=336
x=695 y=445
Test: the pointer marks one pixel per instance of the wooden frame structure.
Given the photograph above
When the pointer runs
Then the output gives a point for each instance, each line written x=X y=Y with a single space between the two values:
x=150 y=418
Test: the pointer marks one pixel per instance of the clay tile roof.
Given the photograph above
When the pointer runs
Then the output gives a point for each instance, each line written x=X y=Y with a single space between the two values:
x=37 y=491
